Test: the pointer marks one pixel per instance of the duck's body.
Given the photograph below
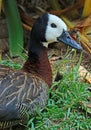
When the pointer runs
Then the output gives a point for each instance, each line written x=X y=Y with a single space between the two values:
x=4 y=71
x=20 y=98
x=24 y=91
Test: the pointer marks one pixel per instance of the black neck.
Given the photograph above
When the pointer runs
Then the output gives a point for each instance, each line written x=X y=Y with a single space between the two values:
x=35 y=48
x=38 y=62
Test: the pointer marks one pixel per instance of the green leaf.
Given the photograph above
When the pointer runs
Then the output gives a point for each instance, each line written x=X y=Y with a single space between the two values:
x=14 y=27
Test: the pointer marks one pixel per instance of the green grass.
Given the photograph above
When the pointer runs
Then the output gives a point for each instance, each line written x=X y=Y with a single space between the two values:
x=64 y=110
x=11 y=64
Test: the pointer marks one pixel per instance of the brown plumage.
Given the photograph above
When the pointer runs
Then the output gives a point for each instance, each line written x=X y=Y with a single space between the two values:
x=25 y=91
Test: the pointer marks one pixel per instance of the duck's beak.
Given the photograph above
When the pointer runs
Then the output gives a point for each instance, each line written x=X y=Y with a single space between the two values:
x=68 y=40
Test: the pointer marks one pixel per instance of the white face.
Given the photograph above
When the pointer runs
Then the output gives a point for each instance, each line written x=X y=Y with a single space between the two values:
x=54 y=28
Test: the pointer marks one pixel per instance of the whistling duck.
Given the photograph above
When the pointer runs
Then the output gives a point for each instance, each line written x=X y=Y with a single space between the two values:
x=24 y=91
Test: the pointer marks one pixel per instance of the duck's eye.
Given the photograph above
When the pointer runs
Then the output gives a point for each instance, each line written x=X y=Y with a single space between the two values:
x=53 y=25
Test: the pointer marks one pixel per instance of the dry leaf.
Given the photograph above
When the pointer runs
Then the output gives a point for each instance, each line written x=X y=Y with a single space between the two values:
x=86 y=42
x=87 y=8
x=84 y=39
x=84 y=24
x=89 y=80
x=54 y=58
x=84 y=74
x=27 y=27
x=84 y=28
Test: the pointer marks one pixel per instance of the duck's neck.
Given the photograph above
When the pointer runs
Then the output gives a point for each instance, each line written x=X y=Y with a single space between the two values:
x=38 y=64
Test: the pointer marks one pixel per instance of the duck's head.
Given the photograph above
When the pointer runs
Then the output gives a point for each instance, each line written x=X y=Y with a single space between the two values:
x=50 y=28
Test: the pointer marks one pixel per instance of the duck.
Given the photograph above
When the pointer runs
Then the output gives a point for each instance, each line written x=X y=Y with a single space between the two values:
x=4 y=71
x=24 y=91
